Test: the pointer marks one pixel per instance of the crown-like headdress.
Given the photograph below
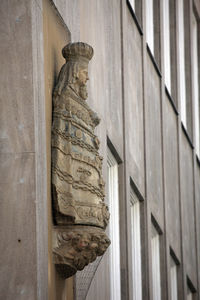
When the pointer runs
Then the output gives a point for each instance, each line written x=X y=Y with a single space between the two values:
x=77 y=51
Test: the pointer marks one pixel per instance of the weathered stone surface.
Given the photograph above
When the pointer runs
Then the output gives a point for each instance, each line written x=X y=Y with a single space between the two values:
x=77 y=183
x=76 y=247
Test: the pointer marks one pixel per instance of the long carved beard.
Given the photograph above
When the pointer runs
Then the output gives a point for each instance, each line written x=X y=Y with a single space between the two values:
x=83 y=92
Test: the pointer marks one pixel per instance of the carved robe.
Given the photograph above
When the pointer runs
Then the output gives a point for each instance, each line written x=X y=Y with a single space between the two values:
x=78 y=187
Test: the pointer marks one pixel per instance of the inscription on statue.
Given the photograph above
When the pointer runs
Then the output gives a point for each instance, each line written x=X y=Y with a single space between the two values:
x=77 y=183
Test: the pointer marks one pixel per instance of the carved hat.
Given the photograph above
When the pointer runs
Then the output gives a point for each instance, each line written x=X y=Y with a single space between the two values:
x=77 y=51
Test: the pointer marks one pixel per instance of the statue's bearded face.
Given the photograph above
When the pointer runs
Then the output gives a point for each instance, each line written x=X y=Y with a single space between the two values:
x=82 y=78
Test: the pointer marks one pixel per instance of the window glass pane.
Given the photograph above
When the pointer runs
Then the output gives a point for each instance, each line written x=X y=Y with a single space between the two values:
x=114 y=249
x=149 y=24
x=136 y=247
x=155 y=251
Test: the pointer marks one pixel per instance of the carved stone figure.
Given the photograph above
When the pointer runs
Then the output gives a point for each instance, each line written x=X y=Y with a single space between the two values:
x=76 y=247
x=77 y=183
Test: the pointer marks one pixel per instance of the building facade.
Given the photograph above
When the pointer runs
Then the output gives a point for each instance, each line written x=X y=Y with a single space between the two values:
x=144 y=85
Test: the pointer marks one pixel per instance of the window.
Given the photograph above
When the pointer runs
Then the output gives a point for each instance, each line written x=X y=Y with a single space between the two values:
x=167 y=62
x=150 y=24
x=136 y=246
x=173 y=279
x=181 y=50
x=153 y=29
x=113 y=196
x=196 y=81
x=155 y=252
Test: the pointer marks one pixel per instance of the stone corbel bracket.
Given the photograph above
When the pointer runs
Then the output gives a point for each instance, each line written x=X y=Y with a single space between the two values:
x=75 y=248
x=79 y=210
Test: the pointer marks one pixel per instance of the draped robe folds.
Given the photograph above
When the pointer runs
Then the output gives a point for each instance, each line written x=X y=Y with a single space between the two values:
x=77 y=184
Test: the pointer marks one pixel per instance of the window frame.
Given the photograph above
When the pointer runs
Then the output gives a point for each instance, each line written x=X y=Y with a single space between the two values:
x=156 y=238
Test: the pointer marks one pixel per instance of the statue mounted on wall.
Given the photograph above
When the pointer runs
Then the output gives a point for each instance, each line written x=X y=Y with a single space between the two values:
x=80 y=213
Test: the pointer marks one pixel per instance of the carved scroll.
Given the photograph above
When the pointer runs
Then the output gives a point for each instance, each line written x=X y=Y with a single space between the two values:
x=77 y=183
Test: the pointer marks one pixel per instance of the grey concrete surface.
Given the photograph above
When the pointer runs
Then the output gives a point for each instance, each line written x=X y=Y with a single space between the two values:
x=171 y=176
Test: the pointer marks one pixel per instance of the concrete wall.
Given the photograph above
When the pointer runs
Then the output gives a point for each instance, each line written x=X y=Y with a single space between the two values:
x=153 y=142
x=22 y=161
x=170 y=130
x=133 y=102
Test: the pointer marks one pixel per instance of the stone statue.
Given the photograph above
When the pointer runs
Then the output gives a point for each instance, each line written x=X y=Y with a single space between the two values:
x=77 y=183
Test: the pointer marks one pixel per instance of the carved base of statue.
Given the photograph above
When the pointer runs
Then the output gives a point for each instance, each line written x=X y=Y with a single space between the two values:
x=65 y=271
x=75 y=247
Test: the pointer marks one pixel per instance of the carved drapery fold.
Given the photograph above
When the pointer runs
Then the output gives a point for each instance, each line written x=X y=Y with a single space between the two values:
x=80 y=213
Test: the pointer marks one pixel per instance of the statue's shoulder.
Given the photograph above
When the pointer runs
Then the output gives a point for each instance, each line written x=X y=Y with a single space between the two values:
x=60 y=100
